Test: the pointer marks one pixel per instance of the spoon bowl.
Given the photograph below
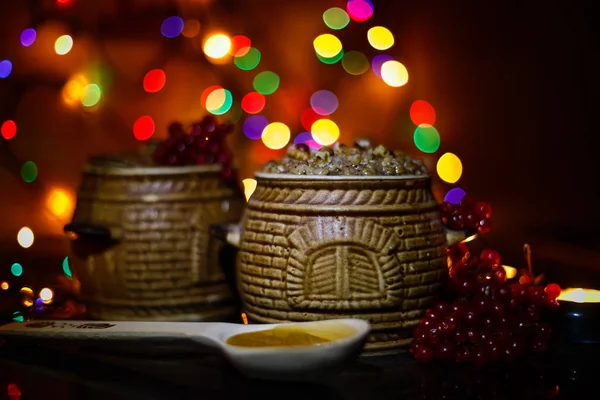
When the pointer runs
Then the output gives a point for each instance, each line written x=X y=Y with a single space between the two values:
x=277 y=362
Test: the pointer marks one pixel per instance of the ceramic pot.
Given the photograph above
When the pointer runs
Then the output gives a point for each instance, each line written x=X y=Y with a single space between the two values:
x=313 y=248
x=140 y=247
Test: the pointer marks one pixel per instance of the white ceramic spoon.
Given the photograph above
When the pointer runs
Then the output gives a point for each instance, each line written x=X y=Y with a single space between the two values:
x=260 y=362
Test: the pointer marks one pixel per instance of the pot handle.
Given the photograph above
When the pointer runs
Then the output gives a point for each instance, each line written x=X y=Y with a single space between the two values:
x=90 y=231
x=230 y=233
x=456 y=236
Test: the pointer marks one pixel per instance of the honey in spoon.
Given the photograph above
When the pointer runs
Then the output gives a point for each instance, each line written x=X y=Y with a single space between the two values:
x=292 y=336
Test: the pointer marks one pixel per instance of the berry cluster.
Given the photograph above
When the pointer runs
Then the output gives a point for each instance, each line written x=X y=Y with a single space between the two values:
x=467 y=214
x=204 y=144
x=490 y=320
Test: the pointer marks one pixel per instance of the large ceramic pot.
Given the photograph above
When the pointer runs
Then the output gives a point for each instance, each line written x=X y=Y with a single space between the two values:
x=313 y=248
x=140 y=243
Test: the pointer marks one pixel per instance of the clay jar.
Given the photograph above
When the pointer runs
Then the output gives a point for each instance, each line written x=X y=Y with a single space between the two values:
x=140 y=247
x=313 y=248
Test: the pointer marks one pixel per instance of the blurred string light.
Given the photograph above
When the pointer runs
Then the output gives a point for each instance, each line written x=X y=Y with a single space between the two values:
x=5 y=68
x=308 y=118
x=455 y=195
x=29 y=171
x=4 y=285
x=355 y=63
x=154 y=80
x=91 y=95
x=325 y=132
x=394 y=73
x=276 y=135
x=191 y=28
x=378 y=61
x=28 y=37
x=67 y=268
x=207 y=92
x=143 y=128
x=248 y=61
x=360 y=10
x=217 y=46
x=422 y=112
x=64 y=3
x=380 y=38
x=331 y=60
x=266 y=82
x=219 y=101
x=336 y=18
x=8 y=129
x=18 y=317
x=324 y=102
x=59 y=202
x=306 y=138
x=26 y=291
x=16 y=269
x=46 y=295
x=327 y=45
x=249 y=187
x=63 y=45
x=171 y=27
x=426 y=138
x=73 y=90
x=253 y=102
x=254 y=126
x=25 y=237
x=449 y=167
x=240 y=46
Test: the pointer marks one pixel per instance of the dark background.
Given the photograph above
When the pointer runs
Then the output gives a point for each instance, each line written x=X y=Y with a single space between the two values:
x=514 y=85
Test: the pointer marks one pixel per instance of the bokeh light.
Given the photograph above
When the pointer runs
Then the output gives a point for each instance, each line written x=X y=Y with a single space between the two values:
x=66 y=267
x=4 y=285
x=59 y=202
x=143 y=128
x=380 y=38
x=378 y=61
x=46 y=294
x=154 y=80
x=327 y=45
x=249 y=187
x=355 y=63
x=254 y=126
x=332 y=60
x=207 y=92
x=394 y=73
x=306 y=138
x=219 y=101
x=29 y=171
x=18 y=316
x=191 y=28
x=73 y=90
x=325 y=132
x=324 y=102
x=360 y=10
x=266 y=82
x=240 y=46
x=234 y=114
x=449 y=167
x=454 y=195
x=422 y=112
x=253 y=102
x=8 y=129
x=249 y=60
x=217 y=46
x=25 y=237
x=172 y=27
x=63 y=45
x=16 y=269
x=5 y=68
x=276 y=135
x=336 y=18
x=308 y=118
x=427 y=138
x=91 y=95
x=28 y=37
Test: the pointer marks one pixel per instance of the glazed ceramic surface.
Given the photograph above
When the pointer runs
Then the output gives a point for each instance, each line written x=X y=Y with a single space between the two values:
x=140 y=242
x=315 y=248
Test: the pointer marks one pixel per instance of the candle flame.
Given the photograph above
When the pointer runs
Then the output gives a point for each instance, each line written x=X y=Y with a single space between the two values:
x=511 y=272
x=580 y=295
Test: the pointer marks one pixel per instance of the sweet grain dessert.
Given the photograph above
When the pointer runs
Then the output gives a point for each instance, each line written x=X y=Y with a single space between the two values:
x=360 y=159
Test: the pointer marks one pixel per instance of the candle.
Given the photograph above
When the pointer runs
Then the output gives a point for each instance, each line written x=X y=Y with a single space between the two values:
x=577 y=320
x=580 y=295
x=511 y=272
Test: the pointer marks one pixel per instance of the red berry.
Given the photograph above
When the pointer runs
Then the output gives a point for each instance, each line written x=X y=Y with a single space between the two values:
x=467 y=203
x=539 y=345
x=480 y=356
x=490 y=256
x=485 y=225
x=414 y=346
x=431 y=314
x=424 y=354
x=533 y=312
x=458 y=308
x=466 y=286
x=497 y=310
x=461 y=336
x=552 y=304
x=537 y=295
x=446 y=328
x=462 y=354
x=473 y=335
x=483 y=210
x=488 y=323
x=441 y=308
x=456 y=222
x=482 y=305
x=445 y=351
x=553 y=290
x=446 y=209
x=471 y=221
x=520 y=292
x=543 y=329
x=502 y=293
